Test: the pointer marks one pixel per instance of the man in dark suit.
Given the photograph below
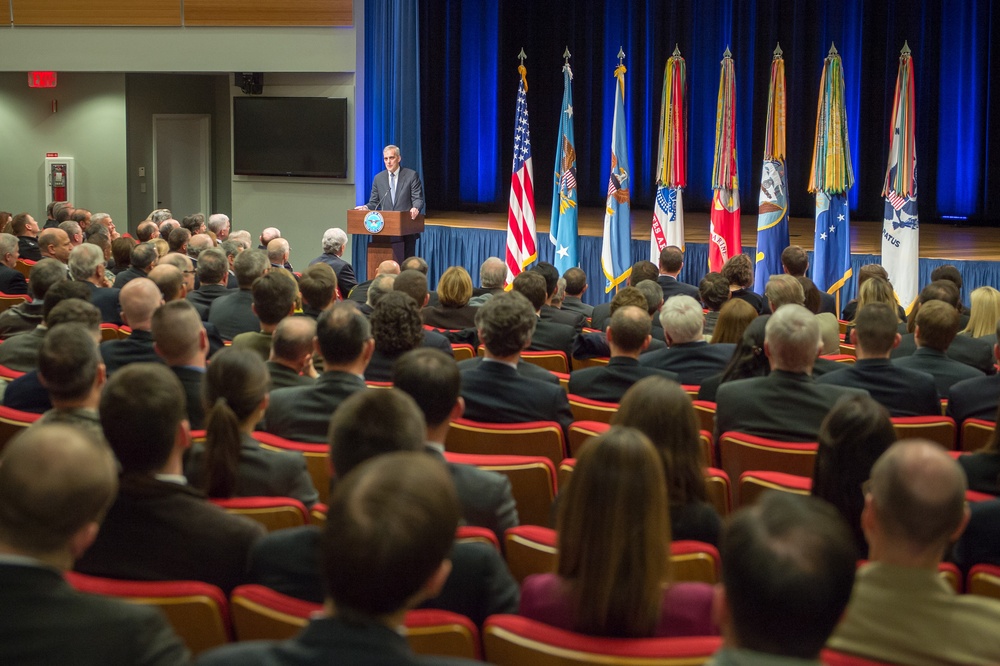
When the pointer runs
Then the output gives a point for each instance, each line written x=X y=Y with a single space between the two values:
x=11 y=280
x=70 y=369
x=139 y=299
x=55 y=484
x=26 y=316
x=142 y=260
x=494 y=391
x=671 y=263
x=976 y=398
x=291 y=362
x=788 y=404
x=795 y=261
x=26 y=230
x=233 y=313
x=434 y=382
x=414 y=284
x=180 y=339
x=344 y=340
x=593 y=345
x=359 y=293
x=714 y=293
x=86 y=265
x=936 y=327
x=160 y=528
x=628 y=335
x=318 y=288
x=213 y=276
x=398 y=189
x=549 y=335
x=576 y=286
x=334 y=242
x=641 y=270
x=687 y=354
x=274 y=297
x=66 y=303
x=548 y=311
x=902 y=391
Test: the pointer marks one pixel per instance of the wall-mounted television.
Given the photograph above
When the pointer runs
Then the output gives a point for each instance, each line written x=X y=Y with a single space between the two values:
x=303 y=137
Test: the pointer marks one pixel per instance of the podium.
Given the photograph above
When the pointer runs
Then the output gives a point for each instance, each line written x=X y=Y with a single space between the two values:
x=390 y=241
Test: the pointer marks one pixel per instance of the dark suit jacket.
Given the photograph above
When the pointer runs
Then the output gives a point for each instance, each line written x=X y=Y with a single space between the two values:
x=902 y=391
x=158 y=530
x=591 y=345
x=495 y=393
x=232 y=282
x=525 y=369
x=672 y=287
x=442 y=316
x=20 y=352
x=27 y=394
x=980 y=542
x=191 y=379
x=327 y=640
x=600 y=316
x=409 y=193
x=785 y=406
x=106 y=300
x=485 y=496
x=973 y=399
x=552 y=336
x=27 y=248
x=479 y=585
x=692 y=361
x=567 y=317
x=946 y=371
x=828 y=303
x=232 y=314
x=136 y=348
x=261 y=473
x=345 y=272
x=974 y=352
x=48 y=622
x=21 y=317
x=203 y=297
x=359 y=294
x=302 y=413
x=282 y=376
x=610 y=382
x=573 y=304
x=126 y=276
x=12 y=281
x=758 y=302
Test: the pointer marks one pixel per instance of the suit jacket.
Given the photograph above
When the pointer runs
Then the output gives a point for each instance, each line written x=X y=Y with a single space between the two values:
x=12 y=281
x=359 y=294
x=758 y=302
x=302 y=413
x=610 y=382
x=22 y=317
x=27 y=394
x=443 y=316
x=27 y=248
x=692 y=361
x=48 y=622
x=982 y=471
x=980 y=542
x=561 y=316
x=591 y=345
x=946 y=371
x=409 y=192
x=159 y=530
x=600 y=316
x=256 y=341
x=496 y=393
x=191 y=379
x=974 y=352
x=785 y=406
x=136 y=348
x=902 y=391
x=525 y=369
x=485 y=496
x=828 y=303
x=203 y=297
x=345 y=272
x=973 y=399
x=574 y=304
x=232 y=314
x=282 y=376
x=326 y=640
x=380 y=366
x=20 y=352
x=479 y=584
x=106 y=300
x=261 y=473
x=553 y=336
x=126 y=276
x=672 y=287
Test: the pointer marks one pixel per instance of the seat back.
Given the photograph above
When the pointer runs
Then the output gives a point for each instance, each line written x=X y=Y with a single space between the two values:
x=317 y=459
x=940 y=429
x=566 y=468
x=9 y=301
x=694 y=561
x=833 y=658
x=739 y=452
x=585 y=409
x=462 y=351
x=260 y=613
x=198 y=612
x=976 y=433
x=840 y=358
x=705 y=411
x=535 y=438
x=24 y=267
x=532 y=481
x=475 y=534
x=14 y=421
x=109 y=332
x=530 y=549
x=274 y=513
x=581 y=431
x=595 y=362
x=691 y=389
x=707 y=447
x=553 y=361
x=430 y=631
x=719 y=490
x=984 y=579
x=512 y=640
x=371 y=383
x=753 y=484
x=317 y=514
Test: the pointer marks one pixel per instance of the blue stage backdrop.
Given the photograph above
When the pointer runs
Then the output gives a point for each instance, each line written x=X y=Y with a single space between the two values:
x=451 y=246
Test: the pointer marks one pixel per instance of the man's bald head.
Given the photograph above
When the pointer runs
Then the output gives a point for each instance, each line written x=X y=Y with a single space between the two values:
x=629 y=330
x=169 y=280
x=55 y=482
x=139 y=299
x=388 y=267
x=293 y=339
x=269 y=235
x=198 y=244
x=277 y=251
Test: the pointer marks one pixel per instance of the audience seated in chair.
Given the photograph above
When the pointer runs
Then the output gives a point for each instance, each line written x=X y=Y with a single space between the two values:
x=397 y=328
x=56 y=483
x=144 y=258
x=982 y=468
x=549 y=334
x=936 y=327
x=974 y=398
x=67 y=302
x=687 y=354
x=414 y=283
x=550 y=311
x=576 y=286
x=213 y=275
x=26 y=316
x=291 y=360
x=86 y=266
x=140 y=298
x=274 y=298
x=671 y=264
x=179 y=338
x=334 y=241
x=11 y=280
x=640 y=271
x=318 y=288
x=453 y=310
x=233 y=313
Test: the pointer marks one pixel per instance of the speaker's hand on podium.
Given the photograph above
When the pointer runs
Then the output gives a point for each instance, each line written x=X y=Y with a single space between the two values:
x=361 y=207
x=413 y=213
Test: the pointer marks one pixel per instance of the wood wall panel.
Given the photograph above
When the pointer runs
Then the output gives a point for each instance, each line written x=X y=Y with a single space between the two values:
x=4 y=12
x=269 y=12
x=96 y=12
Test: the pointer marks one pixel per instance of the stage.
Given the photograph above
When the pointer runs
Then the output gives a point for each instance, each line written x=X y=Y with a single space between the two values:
x=466 y=239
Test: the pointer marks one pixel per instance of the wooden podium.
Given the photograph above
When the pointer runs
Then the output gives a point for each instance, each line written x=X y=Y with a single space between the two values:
x=389 y=242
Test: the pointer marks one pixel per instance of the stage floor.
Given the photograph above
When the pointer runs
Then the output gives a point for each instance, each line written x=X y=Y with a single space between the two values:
x=937 y=241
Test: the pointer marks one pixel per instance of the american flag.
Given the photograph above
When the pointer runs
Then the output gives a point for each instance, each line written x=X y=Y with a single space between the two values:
x=521 y=210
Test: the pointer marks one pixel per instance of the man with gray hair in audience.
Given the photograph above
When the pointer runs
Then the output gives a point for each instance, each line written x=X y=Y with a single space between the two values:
x=233 y=313
x=687 y=353
x=291 y=360
x=213 y=274
x=231 y=248
x=25 y=316
x=218 y=224
x=144 y=257
x=167 y=226
x=71 y=370
x=266 y=237
x=380 y=286
x=334 y=242
x=147 y=231
x=86 y=265
x=243 y=237
x=359 y=294
x=788 y=404
x=66 y=302
x=185 y=265
x=277 y=252
x=198 y=244
x=11 y=280
x=160 y=215
x=74 y=232
x=492 y=273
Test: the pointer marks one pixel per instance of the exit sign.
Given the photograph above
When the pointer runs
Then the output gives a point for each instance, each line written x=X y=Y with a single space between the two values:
x=41 y=79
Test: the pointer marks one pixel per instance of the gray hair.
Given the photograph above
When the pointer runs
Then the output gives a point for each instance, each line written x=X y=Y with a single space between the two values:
x=653 y=293
x=84 y=260
x=217 y=222
x=334 y=239
x=793 y=338
x=682 y=319
x=492 y=273
x=784 y=290
x=241 y=236
x=160 y=215
x=198 y=244
x=280 y=249
x=71 y=228
x=98 y=218
x=394 y=149
x=380 y=286
x=506 y=323
x=250 y=265
x=8 y=243
x=179 y=261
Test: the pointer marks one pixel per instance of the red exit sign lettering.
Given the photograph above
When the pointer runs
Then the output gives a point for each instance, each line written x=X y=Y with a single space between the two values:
x=41 y=79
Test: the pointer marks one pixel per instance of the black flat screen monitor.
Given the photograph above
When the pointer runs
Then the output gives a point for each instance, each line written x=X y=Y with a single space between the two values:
x=303 y=137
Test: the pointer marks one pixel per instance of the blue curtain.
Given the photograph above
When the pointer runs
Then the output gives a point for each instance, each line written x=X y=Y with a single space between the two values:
x=468 y=63
x=392 y=87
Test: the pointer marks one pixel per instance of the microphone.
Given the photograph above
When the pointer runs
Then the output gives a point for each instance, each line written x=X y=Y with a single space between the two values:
x=379 y=204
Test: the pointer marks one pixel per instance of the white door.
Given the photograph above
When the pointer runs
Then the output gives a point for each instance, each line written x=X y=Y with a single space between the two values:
x=182 y=163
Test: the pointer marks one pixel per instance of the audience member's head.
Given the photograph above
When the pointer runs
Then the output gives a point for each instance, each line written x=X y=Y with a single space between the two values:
x=432 y=379
x=250 y=265
x=937 y=325
x=643 y=270
x=23 y=224
x=147 y=231
x=792 y=339
x=629 y=331
x=318 y=286
x=69 y=362
x=178 y=335
x=455 y=287
x=396 y=324
x=531 y=285
x=292 y=341
x=369 y=424
x=178 y=240
x=160 y=215
x=380 y=286
x=144 y=256
x=628 y=296
x=343 y=336
x=213 y=268
x=86 y=262
x=274 y=296
x=576 y=281
x=653 y=293
x=170 y=281
x=74 y=232
x=868 y=271
x=984 y=313
x=682 y=319
x=551 y=275
x=277 y=251
x=218 y=224
x=813 y=298
x=242 y=236
x=714 y=291
x=734 y=318
x=782 y=290
x=198 y=244
x=43 y=275
x=671 y=260
x=121 y=252
x=748 y=359
x=414 y=263
x=949 y=273
x=875 y=329
x=414 y=284
x=69 y=291
x=166 y=227
x=506 y=323
x=877 y=290
x=81 y=216
x=795 y=261
x=334 y=241
x=195 y=223
x=492 y=273
x=139 y=299
x=54 y=243
x=8 y=250
x=739 y=271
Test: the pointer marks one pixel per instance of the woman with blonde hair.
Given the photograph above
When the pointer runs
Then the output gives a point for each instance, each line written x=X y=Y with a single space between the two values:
x=454 y=312
x=613 y=576
x=984 y=314
x=874 y=290
x=734 y=317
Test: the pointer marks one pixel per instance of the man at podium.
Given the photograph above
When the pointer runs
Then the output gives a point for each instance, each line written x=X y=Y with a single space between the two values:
x=397 y=188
